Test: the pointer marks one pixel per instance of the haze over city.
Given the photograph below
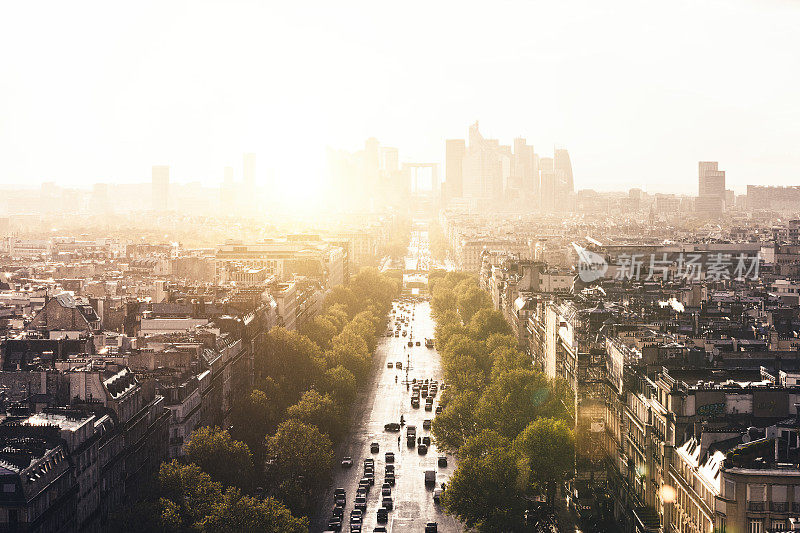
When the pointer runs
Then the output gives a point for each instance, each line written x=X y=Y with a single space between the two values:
x=99 y=92
x=520 y=266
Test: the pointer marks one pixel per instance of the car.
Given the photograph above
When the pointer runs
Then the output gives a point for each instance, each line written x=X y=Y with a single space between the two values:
x=442 y=461
x=389 y=457
x=431 y=527
x=422 y=449
x=383 y=515
x=386 y=490
x=426 y=424
x=374 y=447
x=417 y=343
x=399 y=365
x=391 y=426
x=371 y=477
x=428 y=406
x=339 y=491
x=390 y=469
x=410 y=344
x=361 y=504
x=430 y=478
x=379 y=529
x=335 y=524
x=390 y=479
x=405 y=333
x=437 y=495
x=369 y=461
x=438 y=409
x=426 y=440
x=364 y=481
x=355 y=528
x=338 y=511
x=415 y=402
x=347 y=462
x=387 y=502
x=389 y=364
x=396 y=334
x=356 y=512
x=385 y=486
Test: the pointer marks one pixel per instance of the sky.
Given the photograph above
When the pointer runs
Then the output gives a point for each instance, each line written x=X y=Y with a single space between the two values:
x=638 y=91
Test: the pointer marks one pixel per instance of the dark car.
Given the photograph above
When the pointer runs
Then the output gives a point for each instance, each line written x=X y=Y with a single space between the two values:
x=422 y=449
x=383 y=515
x=335 y=524
x=387 y=502
x=426 y=440
x=442 y=460
x=391 y=426
x=390 y=479
x=347 y=462
x=438 y=409
x=390 y=469
x=431 y=527
x=374 y=447
x=361 y=504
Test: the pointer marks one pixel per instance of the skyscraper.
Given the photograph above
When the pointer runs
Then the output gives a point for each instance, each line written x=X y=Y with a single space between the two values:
x=524 y=168
x=160 y=188
x=454 y=167
x=483 y=168
x=563 y=167
x=711 y=189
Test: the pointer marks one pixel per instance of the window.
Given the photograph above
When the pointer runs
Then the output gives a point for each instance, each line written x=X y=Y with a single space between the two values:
x=756 y=526
x=779 y=525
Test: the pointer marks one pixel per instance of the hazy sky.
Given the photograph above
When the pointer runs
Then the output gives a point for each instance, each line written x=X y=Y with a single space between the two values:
x=638 y=91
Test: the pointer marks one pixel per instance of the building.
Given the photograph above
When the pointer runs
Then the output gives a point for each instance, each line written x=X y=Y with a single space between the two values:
x=160 y=188
x=455 y=150
x=711 y=190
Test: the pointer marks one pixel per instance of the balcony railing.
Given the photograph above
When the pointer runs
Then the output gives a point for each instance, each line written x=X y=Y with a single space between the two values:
x=756 y=506
x=779 y=507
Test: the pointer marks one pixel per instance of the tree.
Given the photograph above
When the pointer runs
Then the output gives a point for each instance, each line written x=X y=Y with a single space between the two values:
x=548 y=448
x=227 y=461
x=486 y=322
x=341 y=384
x=253 y=417
x=344 y=296
x=506 y=359
x=292 y=360
x=499 y=340
x=456 y=423
x=299 y=463
x=485 y=491
x=318 y=410
x=237 y=513
x=443 y=299
x=320 y=330
x=472 y=300
x=515 y=398
x=187 y=495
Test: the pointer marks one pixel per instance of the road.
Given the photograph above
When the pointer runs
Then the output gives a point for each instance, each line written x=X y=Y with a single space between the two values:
x=384 y=400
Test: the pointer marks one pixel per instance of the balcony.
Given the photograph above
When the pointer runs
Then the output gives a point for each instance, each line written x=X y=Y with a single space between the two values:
x=756 y=506
x=779 y=507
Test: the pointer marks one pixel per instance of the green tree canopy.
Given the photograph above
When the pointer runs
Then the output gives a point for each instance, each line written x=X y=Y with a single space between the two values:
x=456 y=423
x=486 y=322
x=319 y=410
x=299 y=463
x=517 y=397
x=227 y=461
x=237 y=513
x=548 y=448
x=486 y=489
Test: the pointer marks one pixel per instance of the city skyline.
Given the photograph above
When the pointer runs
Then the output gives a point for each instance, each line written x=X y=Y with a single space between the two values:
x=194 y=90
